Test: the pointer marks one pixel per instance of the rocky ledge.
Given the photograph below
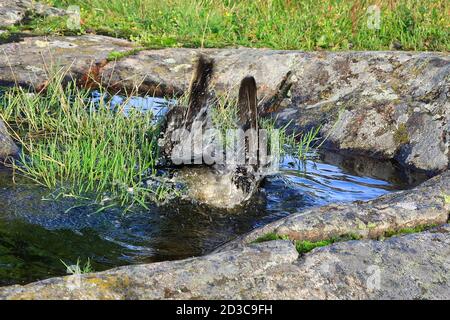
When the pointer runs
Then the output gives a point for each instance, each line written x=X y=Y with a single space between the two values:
x=426 y=205
x=406 y=267
x=388 y=105
x=33 y=61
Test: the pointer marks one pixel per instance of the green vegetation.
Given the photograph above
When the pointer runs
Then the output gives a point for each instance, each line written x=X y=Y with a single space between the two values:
x=401 y=135
x=84 y=147
x=446 y=198
x=402 y=231
x=270 y=237
x=78 y=269
x=296 y=144
x=306 y=142
x=116 y=55
x=280 y=24
x=224 y=114
x=304 y=246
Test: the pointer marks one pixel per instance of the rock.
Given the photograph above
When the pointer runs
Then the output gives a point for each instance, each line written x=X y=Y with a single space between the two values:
x=422 y=206
x=386 y=170
x=29 y=62
x=390 y=105
x=7 y=145
x=168 y=71
x=11 y=12
x=408 y=267
x=14 y=11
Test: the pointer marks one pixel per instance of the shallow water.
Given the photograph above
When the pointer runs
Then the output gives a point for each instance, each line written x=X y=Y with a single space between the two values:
x=36 y=234
x=37 y=231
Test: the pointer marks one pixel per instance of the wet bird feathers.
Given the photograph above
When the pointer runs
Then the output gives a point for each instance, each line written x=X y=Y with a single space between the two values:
x=220 y=185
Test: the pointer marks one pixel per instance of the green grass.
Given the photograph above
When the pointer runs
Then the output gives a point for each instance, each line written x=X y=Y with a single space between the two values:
x=401 y=135
x=77 y=268
x=84 y=148
x=296 y=144
x=270 y=237
x=92 y=151
x=409 y=230
x=281 y=24
x=304 y=246
x=117 y=55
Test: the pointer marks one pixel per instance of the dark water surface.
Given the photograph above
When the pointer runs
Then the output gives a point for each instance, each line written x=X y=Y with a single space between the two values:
x=36 y=233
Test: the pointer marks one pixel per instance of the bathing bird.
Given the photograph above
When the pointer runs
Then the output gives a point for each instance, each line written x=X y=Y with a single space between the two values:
x=218 y=169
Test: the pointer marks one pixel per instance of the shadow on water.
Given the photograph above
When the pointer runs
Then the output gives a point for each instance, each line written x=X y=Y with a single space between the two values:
x=35 y=234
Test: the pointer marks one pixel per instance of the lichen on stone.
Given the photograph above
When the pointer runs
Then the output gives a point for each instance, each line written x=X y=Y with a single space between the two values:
x=401 y=135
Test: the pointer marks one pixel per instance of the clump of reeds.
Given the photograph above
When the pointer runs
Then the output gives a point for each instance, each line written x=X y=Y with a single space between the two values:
x=84 y=146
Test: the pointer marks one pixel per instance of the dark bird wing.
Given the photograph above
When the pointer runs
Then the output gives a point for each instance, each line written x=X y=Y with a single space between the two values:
x=247 y=104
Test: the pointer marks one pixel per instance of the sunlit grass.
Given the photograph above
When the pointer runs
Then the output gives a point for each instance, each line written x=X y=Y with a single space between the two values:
x=280 y=24
x=84 y=147
x=294 y=144
x=78 y=268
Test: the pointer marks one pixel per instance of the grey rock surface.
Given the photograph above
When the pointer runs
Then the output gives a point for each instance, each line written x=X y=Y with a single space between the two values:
x=168 y=71
x=14 y=11
x=390 y=105
x=424 y=205
x=385 y=104
x=33 y=61
x=406 y=267
x=7 y=145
